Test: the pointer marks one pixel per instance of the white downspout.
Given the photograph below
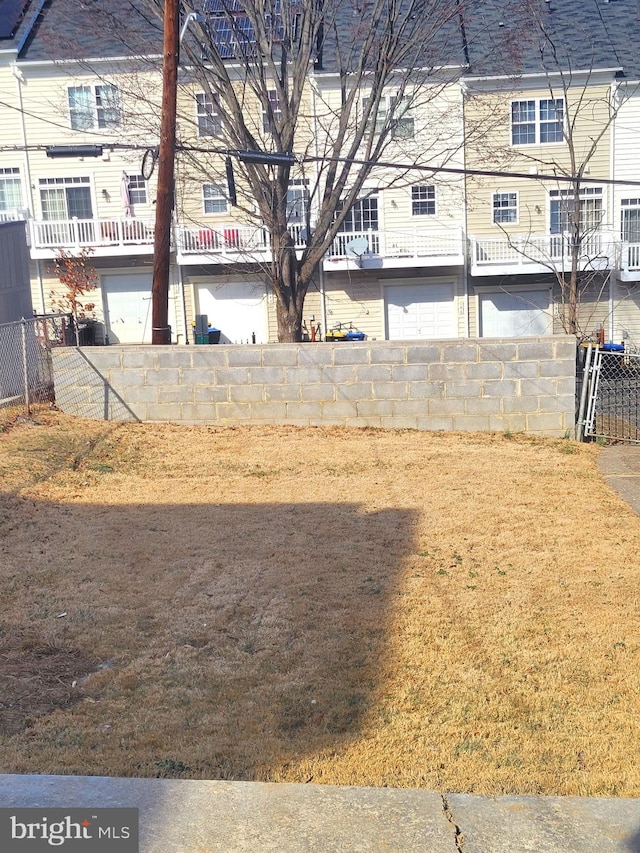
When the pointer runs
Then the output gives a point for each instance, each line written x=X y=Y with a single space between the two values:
x=612 y=200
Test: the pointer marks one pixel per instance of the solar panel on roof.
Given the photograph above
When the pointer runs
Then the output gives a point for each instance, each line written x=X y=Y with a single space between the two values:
x=11 y=14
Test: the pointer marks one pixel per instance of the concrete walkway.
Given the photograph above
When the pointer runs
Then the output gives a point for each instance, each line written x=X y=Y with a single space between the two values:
x=619 y=464
x=189 y=816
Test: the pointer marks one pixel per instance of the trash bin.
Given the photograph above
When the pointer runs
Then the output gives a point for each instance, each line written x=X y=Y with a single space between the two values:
x=86 y=333
x=213 y=335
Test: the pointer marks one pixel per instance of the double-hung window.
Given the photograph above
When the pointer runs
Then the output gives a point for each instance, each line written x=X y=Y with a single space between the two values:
x=209 y=120
x=394 y=112
x=94 y=107
x=537 y=121
x=630 y=220
x=271 y=117
x=423 y=200
x=10 y=193
x=505 y=208
x=214 y=198
x=137 y=189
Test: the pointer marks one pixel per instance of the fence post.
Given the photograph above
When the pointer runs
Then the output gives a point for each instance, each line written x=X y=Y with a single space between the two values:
x=25 y=369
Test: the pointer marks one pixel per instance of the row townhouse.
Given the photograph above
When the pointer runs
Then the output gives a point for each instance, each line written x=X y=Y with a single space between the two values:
x=464 y=251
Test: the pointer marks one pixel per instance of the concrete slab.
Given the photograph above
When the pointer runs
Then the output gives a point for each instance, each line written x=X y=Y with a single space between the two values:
x=620 y=466
x=187 y=816
x=546 y=824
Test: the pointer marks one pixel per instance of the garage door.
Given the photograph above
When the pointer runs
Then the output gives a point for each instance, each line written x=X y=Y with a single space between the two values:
x=420 y=311
x=127 y=303
x=509 y=315
x=238 y=309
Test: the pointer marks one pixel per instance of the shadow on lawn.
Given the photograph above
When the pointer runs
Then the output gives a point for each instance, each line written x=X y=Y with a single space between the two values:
x=245 y=637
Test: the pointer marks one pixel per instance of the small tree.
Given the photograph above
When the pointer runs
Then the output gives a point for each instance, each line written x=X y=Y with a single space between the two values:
x=78 y=278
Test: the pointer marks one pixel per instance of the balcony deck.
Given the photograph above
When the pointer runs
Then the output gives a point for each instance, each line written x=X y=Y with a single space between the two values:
x=105 y=237
x=539 y=253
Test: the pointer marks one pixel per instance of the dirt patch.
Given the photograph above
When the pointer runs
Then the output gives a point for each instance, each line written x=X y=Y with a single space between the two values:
x=37 y=677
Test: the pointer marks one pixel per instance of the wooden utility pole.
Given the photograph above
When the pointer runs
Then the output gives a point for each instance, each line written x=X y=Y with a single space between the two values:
x=161 y=331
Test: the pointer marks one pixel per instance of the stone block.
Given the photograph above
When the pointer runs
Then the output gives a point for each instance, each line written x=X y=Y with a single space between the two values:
x=175 y=394
x=268 y=411
x=409 y=372
x=497 y=351
x=400 y=423
x=351 y=354
x=449 y=406
x=250 y=356
x=338 y=375
x=426 y=390
x=375 y=408
x=484 y=370
x=355 y=391
x=465 y=352
x=361 y=421
x=233 y=412
x=339 y=409
x=435 y=424
x=284 y=392
x=246 y=393
x=545 y=423
x=136 y=394
x=174 y=357
x=132 y=359
x=540 y=387
x=306 y=410
x=373 y=373
x=169 y=376
x=284 y=355
x=387 y=353
x=521 y=369
x=315 y=354
x=539 y=350
x=520 y=404
x=471 y=423
x=390 y=390
x=500 y=388
x=466 y=388
x=267 y=375
x=322 y=391
x=446 y=372
x=423 y=353
x=211 y=393
x=508 y=423
x=164 y=412
x=409 y=408
x=209 y=356
x=304 y=375
x=197 y=376
x=232 y=376
x=554 y=368
x=484 y=406
x=199 y=413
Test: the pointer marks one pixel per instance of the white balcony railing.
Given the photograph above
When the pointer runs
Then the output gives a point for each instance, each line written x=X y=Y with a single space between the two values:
x=12 y=215
x=410 y=244
x=597 y=250
x=631 y=257
x=90 y=233
x=229 y=239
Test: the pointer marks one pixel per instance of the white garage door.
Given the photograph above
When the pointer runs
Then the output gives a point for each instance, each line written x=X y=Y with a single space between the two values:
x=420 y=311
x=514 y=315
x=238 y=309
x=127 y=304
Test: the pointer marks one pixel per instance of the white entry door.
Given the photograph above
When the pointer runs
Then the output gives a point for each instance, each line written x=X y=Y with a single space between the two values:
x=127 y=305
x=419 y=311
x=514 y=315
x=238 y=309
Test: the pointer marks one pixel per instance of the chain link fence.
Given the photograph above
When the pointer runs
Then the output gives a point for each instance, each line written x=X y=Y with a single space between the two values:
x=611 y=395
x=26 y=375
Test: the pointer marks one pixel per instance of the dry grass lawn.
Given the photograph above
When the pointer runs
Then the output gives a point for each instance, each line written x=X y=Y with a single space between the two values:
x=456 y=612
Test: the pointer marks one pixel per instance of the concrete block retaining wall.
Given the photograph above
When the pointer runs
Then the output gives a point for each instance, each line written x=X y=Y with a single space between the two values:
x=525 y=384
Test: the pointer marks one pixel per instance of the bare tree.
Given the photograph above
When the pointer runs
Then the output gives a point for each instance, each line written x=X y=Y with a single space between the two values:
x=580 y=110
x=342 y=87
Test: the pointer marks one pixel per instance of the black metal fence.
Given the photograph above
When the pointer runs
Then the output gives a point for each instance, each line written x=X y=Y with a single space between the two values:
x=26 y=376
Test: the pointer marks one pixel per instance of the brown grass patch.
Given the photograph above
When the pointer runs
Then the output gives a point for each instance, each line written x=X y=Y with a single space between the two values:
x=365 y=607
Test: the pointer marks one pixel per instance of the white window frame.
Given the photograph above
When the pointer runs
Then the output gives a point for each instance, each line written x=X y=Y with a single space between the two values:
x=61 y=186
x=403 y=122
x=214 y=195
x=10 y=175
x=272 y=95
x=626 y=205
x=96 y=113
x=137 y=189
x=418 y=198
x=515 y=207
x=536 y=122
x=208 y=119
